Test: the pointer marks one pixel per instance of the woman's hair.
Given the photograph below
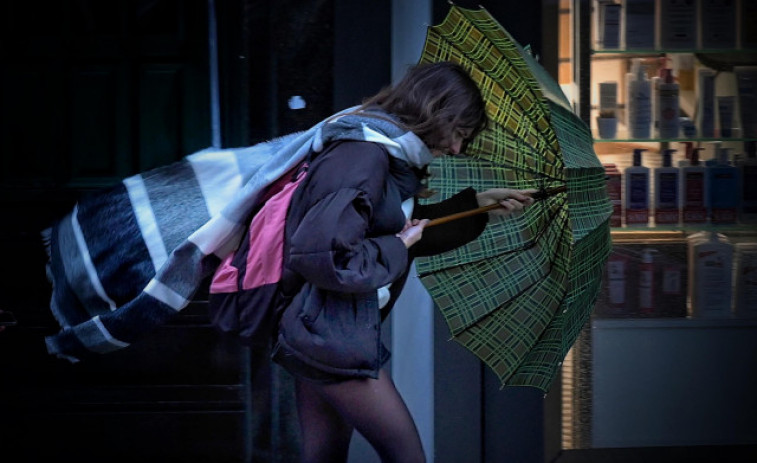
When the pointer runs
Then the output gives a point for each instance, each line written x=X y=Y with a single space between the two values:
x=432 y=100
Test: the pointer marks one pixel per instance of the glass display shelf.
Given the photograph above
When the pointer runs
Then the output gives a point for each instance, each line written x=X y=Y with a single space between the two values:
x=653 y=52
x=670 y=140
x=674 y=233
x=673 y=322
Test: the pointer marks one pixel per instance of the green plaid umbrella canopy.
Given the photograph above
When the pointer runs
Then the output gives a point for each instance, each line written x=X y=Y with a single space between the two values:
x=518 y=296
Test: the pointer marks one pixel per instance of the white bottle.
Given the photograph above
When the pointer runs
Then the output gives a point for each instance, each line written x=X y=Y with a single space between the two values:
x=666 y=191
x=694 y=183
x=667 y=106
x=646 y=282
x=655 y=105
x=639 y=102
x=710 y=276
x=617 y=270
x=745 y=280
x=636 y=192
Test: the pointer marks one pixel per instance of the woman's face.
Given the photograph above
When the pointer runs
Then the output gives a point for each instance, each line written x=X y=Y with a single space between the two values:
x=453 y=143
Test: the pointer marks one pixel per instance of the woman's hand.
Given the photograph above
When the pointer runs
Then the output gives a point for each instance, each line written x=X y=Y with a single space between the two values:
x=510 y=200
x=412 y=231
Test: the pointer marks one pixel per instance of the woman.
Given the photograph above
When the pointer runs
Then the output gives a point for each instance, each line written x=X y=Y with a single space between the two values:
x=353 y=228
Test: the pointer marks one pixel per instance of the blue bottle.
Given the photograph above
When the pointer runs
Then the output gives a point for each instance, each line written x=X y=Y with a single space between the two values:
x=666 y=186
x=636 y=192
x=724 y=189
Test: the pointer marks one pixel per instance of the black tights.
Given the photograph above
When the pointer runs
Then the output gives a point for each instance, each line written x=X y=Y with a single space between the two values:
x=330 y=412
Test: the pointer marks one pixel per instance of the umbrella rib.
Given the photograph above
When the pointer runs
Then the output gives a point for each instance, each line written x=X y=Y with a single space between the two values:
x=526 y=246
x=530 y=172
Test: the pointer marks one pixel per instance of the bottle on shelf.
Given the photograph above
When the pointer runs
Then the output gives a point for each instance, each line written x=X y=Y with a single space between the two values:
x=723 y=189
x=693 y=191
x=638 y=97
x=636 y=200
x=746 y=85
x=617 y=274
x=667 y=106
x=710 y=259
x=666 y=188
x=705 y=115
x=717 y=27
x=607 y=122
x=677 y=24
x=614 y=192
x=639 y=17
x=726 y=115
x=646 y=282
x=609 y=22
x=745 y=274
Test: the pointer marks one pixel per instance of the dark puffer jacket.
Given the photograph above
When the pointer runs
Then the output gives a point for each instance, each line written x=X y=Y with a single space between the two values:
x=340 y=247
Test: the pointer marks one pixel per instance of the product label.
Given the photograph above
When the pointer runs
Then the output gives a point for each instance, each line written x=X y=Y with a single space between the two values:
x=640 y=110
x=723 y=215
x=635 y=217
x=746 y=283
x=669 y=114
x=694 y=215
x=616 y=277
x=607 y=96
x=666 y=211
x=679 y=18
x=611 y=25
x=693 y=198
x=667 y=193
x=671 y=280
x=714 y=283
x=638 y=192
x=646 y=294
x=666 y=216
x=693 y=193
x=614 y=186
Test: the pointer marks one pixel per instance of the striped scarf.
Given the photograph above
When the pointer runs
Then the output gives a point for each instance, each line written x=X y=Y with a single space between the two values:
x=128 y=259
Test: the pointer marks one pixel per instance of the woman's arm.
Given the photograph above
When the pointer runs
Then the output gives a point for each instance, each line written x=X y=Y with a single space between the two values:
x=331 y=246
x=450 y=235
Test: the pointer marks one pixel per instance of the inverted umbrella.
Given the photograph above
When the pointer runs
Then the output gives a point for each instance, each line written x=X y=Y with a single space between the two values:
x=519 y=295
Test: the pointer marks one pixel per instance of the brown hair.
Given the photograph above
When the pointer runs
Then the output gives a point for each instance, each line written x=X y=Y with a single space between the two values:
x=432 y=100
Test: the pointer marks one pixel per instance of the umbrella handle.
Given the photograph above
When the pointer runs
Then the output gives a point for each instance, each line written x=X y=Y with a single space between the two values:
x=541 y=194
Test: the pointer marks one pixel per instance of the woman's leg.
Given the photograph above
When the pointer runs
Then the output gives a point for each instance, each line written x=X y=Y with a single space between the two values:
x=325 y=435
x=377 y=411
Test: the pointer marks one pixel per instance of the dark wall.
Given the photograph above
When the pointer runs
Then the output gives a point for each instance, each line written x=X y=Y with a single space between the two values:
x=362 y=61
x=91 y=92
x=330 y=53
